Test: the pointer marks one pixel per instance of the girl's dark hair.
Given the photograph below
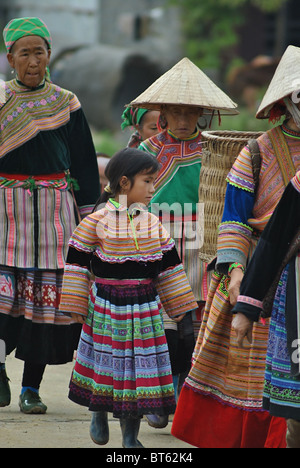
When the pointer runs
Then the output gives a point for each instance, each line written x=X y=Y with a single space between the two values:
x=127 y=162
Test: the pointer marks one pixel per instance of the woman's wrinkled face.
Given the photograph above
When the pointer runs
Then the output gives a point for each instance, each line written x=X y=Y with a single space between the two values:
x=29 y=57
x=182 y=120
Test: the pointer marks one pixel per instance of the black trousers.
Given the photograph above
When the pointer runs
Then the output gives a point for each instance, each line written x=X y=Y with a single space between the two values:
x=33 y=374
x=181 y=345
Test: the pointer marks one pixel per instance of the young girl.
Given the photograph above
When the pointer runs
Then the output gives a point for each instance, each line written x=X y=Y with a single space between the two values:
x=123 y=363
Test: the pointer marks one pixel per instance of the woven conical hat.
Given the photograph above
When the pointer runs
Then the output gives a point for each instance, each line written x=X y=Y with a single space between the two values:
x=285 y=81
x=185 y=84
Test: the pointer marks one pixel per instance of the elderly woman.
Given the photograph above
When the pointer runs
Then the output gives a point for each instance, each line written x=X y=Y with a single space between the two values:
x=225 y=384
x=46 y=152
x=178 y=149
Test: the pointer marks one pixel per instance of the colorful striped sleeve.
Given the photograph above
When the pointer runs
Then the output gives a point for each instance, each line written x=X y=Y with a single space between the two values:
x=275 y=249
x=76 y=281
x=175 y=291
x=296 y=181
x=234 y=231
x=241 y=173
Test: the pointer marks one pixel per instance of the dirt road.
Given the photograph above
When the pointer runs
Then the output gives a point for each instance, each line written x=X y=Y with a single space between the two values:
x=65 y=425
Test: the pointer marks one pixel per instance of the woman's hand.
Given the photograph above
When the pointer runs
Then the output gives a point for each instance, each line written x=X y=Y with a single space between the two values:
x=78 y=318
x=236 y=277
x=178 y=318
x=243 y=328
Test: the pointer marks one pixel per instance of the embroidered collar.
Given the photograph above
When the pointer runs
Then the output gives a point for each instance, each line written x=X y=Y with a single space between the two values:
x=113 y=205
x=191 y=137
x=290 y=133
x=23 y=87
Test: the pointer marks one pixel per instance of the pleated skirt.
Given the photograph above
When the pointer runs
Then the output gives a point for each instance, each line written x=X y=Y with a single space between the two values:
x=123 y=363
x=281 y=394
x=30 y=321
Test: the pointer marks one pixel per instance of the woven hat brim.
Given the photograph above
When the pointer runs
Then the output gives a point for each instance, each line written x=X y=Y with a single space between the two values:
x=157 y=106
x=285 y=81
x=185 y=84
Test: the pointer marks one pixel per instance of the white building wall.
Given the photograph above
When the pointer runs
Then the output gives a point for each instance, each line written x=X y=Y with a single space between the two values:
x=71 y=22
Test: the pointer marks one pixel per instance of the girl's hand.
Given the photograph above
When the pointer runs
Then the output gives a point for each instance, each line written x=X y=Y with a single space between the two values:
x=78 y=318
x=243 y=328
x=236 y=277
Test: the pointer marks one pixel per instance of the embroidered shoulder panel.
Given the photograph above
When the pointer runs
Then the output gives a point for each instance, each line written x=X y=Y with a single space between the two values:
x=26 y=113
x=115 y=240
x=173 y=154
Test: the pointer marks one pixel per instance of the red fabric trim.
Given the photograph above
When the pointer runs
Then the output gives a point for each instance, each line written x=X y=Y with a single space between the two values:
x=184 y=218
x=122 y=282
x=206 y=423
x=58 y=175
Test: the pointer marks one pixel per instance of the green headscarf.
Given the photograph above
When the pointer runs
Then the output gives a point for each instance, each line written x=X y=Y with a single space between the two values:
x=20 y=27
x=132 y=116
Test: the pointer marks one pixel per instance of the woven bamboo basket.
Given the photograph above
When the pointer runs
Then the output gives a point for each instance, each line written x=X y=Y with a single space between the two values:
x=220 y=149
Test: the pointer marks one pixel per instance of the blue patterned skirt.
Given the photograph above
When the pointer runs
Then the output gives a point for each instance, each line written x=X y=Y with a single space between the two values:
x=282 y=390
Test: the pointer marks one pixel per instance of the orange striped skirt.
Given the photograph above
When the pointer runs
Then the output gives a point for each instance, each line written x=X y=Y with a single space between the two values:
x=220 y=368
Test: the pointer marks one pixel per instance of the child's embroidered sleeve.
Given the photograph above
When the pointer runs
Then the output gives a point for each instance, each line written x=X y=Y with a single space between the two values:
x=77 y=274
x=172 y=284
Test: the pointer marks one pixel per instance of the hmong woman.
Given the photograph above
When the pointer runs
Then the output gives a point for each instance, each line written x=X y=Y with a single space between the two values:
x=45 y=146
x=123 y=364
x=221 y=402
x=181 y=95
x=271 y=287
x=144 y=122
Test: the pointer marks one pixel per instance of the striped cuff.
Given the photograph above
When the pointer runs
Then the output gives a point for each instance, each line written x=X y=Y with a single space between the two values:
x=296 y=181
x=85 y=210
x=233 y=242
x=250 y=301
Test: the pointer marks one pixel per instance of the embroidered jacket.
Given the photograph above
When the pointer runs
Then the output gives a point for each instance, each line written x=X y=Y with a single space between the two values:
x=44 y=131
x=244 y=214
x=114 y=244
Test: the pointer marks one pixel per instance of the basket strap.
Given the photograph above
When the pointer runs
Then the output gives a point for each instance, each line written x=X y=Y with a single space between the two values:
x=256 y=161
x=282 y=154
